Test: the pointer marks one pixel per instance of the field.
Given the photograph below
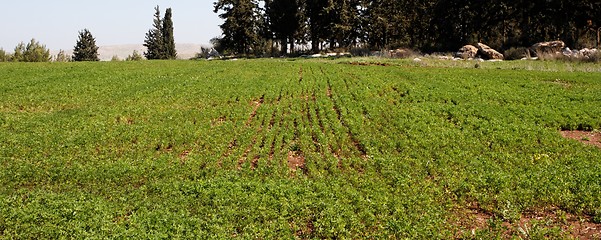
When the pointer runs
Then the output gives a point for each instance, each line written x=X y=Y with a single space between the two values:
x=347 y=148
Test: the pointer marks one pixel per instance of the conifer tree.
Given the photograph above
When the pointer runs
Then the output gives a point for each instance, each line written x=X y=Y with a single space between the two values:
x=168 y=40
x=85 y=49
x=154 y=41
x=240 y=28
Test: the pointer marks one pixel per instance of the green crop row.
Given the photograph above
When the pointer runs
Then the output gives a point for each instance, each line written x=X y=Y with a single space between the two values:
x=291 y=149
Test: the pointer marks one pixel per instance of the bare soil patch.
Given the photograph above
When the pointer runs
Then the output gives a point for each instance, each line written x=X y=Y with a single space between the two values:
x=295 y=161
x=592 y=138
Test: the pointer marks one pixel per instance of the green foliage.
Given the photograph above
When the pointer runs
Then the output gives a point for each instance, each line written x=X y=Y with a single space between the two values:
x=4 y=57
x=85 y=48
x=427 y=25
x=135 y=56
x=61 y=56
x=167 y=33
x=240 y=25
x=19 y=51
x=155 y=42
x=159 y=40
x=390 y=150
x=32 y=52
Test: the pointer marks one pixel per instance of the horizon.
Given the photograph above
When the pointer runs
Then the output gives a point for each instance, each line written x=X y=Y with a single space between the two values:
x=112 y=23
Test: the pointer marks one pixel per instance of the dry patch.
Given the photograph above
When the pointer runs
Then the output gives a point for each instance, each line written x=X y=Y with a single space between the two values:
x=295 y=161
x=592 y=138
x=473 y=219
x=369 y=64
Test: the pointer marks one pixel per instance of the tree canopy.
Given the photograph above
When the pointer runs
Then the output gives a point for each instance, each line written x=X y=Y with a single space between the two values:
x=159 y=41
x=85 y=49
x=426 y=25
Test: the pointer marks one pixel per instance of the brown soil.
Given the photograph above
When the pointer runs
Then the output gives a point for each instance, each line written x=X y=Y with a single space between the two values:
x=295 y=161
x=256 y=104
x=592 y=138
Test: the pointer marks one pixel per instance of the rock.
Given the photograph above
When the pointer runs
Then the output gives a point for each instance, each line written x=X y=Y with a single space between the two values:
x=488 y=52
x=467 y=51
x=588 y=53
x=552 y=47
x=417 y=60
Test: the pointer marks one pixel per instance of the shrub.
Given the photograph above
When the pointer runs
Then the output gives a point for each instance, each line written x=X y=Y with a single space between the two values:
x=517 y=53
x=135 y=56
x=360 y=52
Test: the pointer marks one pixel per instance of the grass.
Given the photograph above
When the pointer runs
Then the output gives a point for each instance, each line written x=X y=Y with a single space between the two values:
x=397 y=149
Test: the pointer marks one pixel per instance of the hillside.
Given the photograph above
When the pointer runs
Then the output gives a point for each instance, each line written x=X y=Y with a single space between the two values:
x=184 y=50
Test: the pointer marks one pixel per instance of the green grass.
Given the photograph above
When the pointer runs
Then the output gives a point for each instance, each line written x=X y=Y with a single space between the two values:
x=200 y=149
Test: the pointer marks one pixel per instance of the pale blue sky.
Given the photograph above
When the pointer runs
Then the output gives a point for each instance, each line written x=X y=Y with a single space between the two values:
x=112 y=22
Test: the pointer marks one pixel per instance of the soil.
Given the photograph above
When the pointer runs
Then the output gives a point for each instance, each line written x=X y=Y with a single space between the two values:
x=592 y=138
x=295 y=161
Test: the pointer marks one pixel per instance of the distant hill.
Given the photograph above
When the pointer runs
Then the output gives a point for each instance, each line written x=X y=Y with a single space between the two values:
x=184 y=50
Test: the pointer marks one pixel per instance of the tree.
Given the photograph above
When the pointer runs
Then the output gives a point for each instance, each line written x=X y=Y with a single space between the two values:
x=154 y=41
x=85 y=49
x=4 y=57
x=284 y=21
x=317 y=12
x=168 y=39
x=240 y=26
x=33 y=52
x=19 y=50
x=62 y=57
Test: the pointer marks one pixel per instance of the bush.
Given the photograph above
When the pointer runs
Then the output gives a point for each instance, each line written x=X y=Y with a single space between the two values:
x=517 y=53
x=206 y=53
x=135 y=56
x=360 y=52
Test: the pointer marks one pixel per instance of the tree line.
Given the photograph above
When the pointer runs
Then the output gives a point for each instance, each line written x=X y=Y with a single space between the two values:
x=159 y=41
x=257 y=27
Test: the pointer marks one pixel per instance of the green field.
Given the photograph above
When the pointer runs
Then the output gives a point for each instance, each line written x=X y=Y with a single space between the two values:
x=298 y=149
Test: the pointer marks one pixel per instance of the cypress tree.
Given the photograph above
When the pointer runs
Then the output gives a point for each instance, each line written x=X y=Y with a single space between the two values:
x=85 y=49
x=168 y=39
x=154 y=41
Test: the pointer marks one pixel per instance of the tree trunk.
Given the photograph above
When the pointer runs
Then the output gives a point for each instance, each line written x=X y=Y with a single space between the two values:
x=284 y=43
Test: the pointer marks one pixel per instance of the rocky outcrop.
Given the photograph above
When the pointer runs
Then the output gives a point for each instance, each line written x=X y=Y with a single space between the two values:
x=466 y=52
x=553 y=47
x=488 y=53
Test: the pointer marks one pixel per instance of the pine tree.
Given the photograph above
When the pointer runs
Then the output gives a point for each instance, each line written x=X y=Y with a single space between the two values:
x=240 y=28
x=168 y=40
x=154 y=41
x=85 y=49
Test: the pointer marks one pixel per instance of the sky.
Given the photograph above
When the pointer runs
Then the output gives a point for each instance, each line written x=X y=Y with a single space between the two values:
x=112 y=22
